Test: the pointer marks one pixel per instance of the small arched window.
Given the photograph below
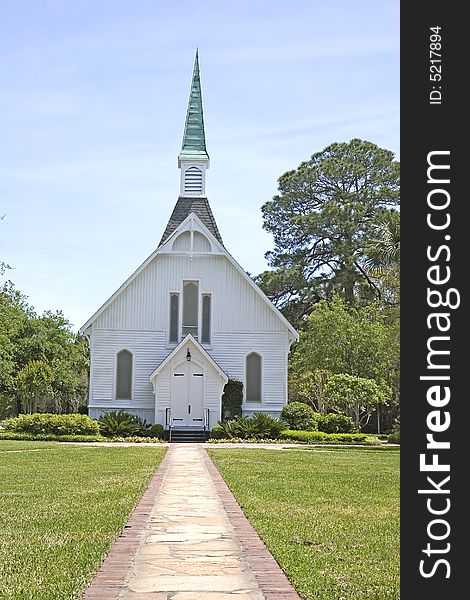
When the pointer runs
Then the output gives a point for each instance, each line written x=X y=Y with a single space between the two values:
x=182 y=242
x=253 y=377
x=201 y=243
x=124 y=375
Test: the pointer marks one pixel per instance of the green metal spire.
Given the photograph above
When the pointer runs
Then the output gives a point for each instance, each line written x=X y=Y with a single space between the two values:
x=194 y=139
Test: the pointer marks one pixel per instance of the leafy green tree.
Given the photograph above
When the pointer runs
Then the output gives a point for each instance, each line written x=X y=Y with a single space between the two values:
x=383 y=249
x=356 y=341
x=383 y=257
x=3 y=265
x=12 y=319
x=323 y=219
x=356 y=397
x=26 y=338
x=290 y=291
x=33 y=384
x=308 y=386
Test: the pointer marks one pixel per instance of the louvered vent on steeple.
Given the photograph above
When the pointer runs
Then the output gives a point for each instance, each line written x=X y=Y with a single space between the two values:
x=193 y=181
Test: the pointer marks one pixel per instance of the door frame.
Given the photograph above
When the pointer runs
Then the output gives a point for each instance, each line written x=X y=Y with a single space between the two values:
x=174 y=369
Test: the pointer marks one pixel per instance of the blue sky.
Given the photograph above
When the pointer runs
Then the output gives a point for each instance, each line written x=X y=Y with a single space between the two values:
x=93 y=98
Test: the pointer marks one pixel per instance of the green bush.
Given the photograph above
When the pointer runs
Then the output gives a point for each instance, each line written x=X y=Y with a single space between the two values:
x=217 y=432
x=320 y=437
x=299 y=416
x=394 y=438
x=157 y=431
x=232 y=399
x=49 y=437
x=123 y=424
x=335 y=423
x=268 y=427
x=47 y=423
x=259 y=426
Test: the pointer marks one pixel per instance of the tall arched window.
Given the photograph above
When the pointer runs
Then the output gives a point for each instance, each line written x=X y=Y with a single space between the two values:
x=206 y=319
x=124 y=375
x=190 y=308
x=174 y=314
x=253 y=377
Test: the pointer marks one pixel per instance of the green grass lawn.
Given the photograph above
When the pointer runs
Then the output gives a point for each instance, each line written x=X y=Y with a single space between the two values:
x=329 y=516
x=61 y=507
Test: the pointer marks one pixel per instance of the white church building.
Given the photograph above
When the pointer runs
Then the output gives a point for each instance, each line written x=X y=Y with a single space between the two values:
x=164 y=345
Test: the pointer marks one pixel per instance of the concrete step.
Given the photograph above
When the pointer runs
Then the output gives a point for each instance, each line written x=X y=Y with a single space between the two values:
x=188 y=436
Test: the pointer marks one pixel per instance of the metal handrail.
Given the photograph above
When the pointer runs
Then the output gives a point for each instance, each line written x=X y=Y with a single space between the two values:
x=206 y=419
x=169 y=422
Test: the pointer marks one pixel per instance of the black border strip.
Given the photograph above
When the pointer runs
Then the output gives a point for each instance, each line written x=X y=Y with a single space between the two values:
x=425 y=128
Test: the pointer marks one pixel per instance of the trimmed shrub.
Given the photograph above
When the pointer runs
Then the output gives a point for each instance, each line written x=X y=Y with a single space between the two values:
x=232 y=399
x=335 y=423
x=259 y=426
x=320 y=437
x=49 y=437
x=299 y=416
x=47 y=423
x=123 y=424
x=157 y=431
x=394 y=438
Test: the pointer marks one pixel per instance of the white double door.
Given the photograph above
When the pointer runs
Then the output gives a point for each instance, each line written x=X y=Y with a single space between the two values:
x=187 y=395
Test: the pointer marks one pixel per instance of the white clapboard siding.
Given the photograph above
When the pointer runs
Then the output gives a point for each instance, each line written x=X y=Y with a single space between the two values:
x=144 y=304
x=144 y=413
x=148 y=349
x=230 y=349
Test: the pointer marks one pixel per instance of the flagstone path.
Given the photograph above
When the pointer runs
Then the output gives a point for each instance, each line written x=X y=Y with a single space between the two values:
x=193 y=544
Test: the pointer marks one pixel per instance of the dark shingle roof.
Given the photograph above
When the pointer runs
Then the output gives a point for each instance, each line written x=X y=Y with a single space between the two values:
x=184 y=206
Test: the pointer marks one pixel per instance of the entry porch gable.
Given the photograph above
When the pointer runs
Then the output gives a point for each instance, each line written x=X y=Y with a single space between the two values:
x=187 y=383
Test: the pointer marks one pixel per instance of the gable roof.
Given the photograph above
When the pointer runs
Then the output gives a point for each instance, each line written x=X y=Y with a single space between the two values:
x=183 y=208
x=222 y=250
x=189 y=339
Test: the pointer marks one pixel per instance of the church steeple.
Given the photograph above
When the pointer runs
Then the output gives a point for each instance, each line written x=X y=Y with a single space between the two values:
x=193 y=159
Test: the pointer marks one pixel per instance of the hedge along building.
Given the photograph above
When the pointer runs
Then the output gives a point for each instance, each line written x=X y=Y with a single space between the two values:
x=189 y=318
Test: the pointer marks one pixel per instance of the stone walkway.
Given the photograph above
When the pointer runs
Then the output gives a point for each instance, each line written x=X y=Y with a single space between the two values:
x=195 y=543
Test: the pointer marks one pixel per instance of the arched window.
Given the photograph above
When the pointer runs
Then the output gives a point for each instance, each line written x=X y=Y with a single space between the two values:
x=253 y=378
x=174 y=314
x=201 y=243
x=206 y=319
x=124 y=375
x=182 y=242
x=190 y=308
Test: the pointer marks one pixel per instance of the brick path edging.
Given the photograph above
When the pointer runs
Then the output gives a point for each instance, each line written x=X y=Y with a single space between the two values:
x=269 y=575
x=113 y=572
